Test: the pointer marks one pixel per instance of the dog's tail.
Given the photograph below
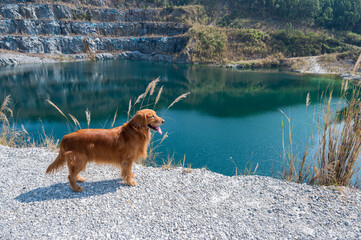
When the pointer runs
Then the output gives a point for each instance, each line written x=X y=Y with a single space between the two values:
x=58 y=163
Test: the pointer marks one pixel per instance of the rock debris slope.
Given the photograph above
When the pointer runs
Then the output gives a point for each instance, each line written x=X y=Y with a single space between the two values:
x=67 y=29
x=166 y=204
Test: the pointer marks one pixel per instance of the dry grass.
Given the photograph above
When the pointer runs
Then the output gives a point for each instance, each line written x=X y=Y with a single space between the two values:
x=293 y=168
x=339 y=144
x=10 y=134
x=153 y=153
x=357 y=65
x=158 y=96
x=114 y=118
x=335 y=161
x=88 y=116
x=181 y=97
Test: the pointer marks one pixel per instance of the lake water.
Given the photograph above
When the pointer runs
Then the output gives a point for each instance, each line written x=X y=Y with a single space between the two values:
x=231 y=120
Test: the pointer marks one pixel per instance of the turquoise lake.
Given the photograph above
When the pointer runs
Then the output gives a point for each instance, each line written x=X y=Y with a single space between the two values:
x=229 y=122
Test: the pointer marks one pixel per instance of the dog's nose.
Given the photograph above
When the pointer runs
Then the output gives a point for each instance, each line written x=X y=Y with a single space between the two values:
x=163 y=121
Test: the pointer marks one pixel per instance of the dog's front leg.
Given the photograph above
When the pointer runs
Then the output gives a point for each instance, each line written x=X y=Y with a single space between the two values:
x=126 y=172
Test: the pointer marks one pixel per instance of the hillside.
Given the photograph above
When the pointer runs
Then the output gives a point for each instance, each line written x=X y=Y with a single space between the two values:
x=243 y=33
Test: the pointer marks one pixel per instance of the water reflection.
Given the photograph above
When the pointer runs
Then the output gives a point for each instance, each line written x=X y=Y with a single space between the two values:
x=229 y=113
x=104 y=86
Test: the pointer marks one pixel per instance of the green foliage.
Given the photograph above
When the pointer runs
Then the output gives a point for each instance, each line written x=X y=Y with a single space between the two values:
x=214 y=44
x=341 y=14
x=252 y=36
x=331 y=14
x=298 y=44
x=352 y=38
x=210 y=44
x=249 y=43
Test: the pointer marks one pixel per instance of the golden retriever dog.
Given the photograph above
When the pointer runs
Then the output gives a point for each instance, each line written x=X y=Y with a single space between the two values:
x=120 y=146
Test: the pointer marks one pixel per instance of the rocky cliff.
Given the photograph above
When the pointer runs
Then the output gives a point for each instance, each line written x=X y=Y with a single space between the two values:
x=29 y=27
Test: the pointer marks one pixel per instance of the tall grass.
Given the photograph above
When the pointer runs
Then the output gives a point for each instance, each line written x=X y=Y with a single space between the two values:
x=10 y=134
x=151 y=102
x=339 y=143
x=357 y=65
x=335 y=160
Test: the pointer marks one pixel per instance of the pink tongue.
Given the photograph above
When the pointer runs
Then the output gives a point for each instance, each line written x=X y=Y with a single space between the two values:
x=159 y=130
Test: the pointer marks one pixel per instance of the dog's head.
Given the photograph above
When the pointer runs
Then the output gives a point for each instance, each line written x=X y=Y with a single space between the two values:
x=147 y=118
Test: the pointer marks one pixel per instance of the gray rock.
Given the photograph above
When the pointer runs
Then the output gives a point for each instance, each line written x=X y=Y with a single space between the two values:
x=74 y=44
x=104 y=56
x=15 y=59
x=79 y=56
x=52 y=27
x=57 y=12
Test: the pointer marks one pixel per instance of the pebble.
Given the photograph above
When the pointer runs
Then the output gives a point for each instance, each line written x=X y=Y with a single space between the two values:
x=165 y=204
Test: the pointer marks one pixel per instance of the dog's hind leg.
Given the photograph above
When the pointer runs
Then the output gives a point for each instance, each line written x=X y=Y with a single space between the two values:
x=126 y=173
x=75 y=165
x=80 y=179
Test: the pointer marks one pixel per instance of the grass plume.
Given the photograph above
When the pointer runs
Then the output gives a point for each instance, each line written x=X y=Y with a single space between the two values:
x=357 y=65
x=76 y=122
x=115 y=117
x=181 y=97
x=5 y=109
x=57 y=108
x=153 y=85
x=88 y=117
x=158 y=96
x=141 y=96
x=129 y=108
x=308 y=99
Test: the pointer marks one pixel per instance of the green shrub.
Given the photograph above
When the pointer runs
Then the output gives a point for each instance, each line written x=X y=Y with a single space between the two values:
x=298 y=44
x=352 y=38
x=252 y=36
x=210 y=44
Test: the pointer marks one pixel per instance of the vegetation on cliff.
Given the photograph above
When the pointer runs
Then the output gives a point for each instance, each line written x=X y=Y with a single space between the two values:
x=243 y=30
x=250 y=33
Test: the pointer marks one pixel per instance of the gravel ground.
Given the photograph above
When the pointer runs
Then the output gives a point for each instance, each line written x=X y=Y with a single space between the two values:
x=166 y=204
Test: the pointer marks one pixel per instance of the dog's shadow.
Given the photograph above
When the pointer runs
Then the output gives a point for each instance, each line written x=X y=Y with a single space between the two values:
x=63 y=191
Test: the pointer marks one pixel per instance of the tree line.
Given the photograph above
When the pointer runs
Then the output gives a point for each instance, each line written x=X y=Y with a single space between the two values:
x=331 y=14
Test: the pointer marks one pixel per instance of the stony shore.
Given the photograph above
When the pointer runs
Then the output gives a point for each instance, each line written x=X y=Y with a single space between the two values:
x=166 y=204
x=309 y=65
x=11 y=59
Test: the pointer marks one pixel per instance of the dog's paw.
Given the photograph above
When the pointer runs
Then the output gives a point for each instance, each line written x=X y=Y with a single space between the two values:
x=133 y=175
x=131 y=183
x=78 y=189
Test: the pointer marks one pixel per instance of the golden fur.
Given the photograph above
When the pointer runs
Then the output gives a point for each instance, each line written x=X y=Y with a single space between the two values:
x=120 y=146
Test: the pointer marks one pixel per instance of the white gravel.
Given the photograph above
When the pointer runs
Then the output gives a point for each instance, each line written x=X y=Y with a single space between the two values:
x=166 y=204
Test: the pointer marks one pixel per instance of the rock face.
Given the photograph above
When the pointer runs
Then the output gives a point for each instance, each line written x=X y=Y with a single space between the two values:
x=57 y=27
x=60 y=29
x=79 y=44
x=57 y=11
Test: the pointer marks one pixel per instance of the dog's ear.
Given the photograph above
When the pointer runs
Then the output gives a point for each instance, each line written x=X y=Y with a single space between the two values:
x=139 y=120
